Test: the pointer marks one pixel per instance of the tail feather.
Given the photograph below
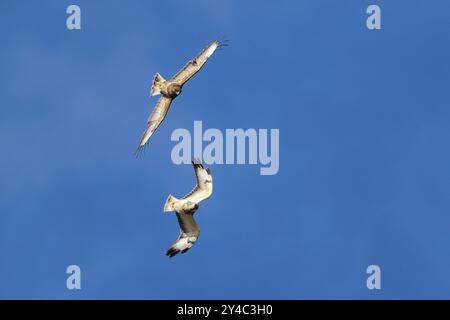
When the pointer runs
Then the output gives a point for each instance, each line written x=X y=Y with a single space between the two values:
x=168 y=206
x=158 y=80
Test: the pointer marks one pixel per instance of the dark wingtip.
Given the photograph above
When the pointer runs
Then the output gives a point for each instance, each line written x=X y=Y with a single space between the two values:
x=140 y=150
x=222 y=42
x=223 y=39
x=197 y=163
x=171 y=252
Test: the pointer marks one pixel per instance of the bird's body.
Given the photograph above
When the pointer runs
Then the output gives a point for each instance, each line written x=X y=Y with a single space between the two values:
x=186 y=207
x=170 y=89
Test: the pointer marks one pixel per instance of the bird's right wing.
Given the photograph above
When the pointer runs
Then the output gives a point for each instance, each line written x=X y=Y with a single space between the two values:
x=204 y=187
x=155 y=119
x=188 y=234
x=194 y=66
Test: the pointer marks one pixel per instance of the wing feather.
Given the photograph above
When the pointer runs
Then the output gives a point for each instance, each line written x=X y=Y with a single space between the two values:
x=188 y=234
x=187 y=224
x=204 y=187
x=155 y=119
x=194 y=66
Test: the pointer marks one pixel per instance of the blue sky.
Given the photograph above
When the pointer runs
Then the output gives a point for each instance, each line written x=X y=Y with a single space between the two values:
x=364 y=164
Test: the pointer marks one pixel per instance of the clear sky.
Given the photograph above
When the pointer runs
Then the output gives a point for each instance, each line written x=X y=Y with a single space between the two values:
x=364 y=162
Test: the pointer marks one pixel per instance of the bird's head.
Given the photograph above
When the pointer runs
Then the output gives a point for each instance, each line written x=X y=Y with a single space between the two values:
x=177 y=89
x=174 y=90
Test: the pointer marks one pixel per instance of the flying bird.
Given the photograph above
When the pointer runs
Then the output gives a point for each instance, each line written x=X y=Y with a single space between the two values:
x=186 y=207
x=170 y=89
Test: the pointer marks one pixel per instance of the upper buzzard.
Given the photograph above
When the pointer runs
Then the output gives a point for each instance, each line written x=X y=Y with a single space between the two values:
x=170 y=89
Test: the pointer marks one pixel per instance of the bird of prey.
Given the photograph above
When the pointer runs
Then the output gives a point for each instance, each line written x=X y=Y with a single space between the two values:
x=186 y=207
x=170 y=89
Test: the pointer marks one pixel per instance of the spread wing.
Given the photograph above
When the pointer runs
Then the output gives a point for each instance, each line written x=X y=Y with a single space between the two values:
x=188 y=234
x=155 y=119
x=204 y=187
x=194 y=66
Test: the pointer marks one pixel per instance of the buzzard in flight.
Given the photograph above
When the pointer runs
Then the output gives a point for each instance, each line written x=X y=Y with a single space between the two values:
x=170 y=89
x=186 y=207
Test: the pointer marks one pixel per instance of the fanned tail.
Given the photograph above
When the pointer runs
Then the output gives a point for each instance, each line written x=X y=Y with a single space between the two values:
x=158 y=81
x=168 y=206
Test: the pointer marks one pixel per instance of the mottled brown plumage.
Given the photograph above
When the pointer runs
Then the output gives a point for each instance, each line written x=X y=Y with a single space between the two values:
x=170 y=89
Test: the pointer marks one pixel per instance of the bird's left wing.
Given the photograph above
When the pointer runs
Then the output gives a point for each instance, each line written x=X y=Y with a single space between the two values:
x=193 y=66
x=188 y=234
x=204 y=187
x=155 y=119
